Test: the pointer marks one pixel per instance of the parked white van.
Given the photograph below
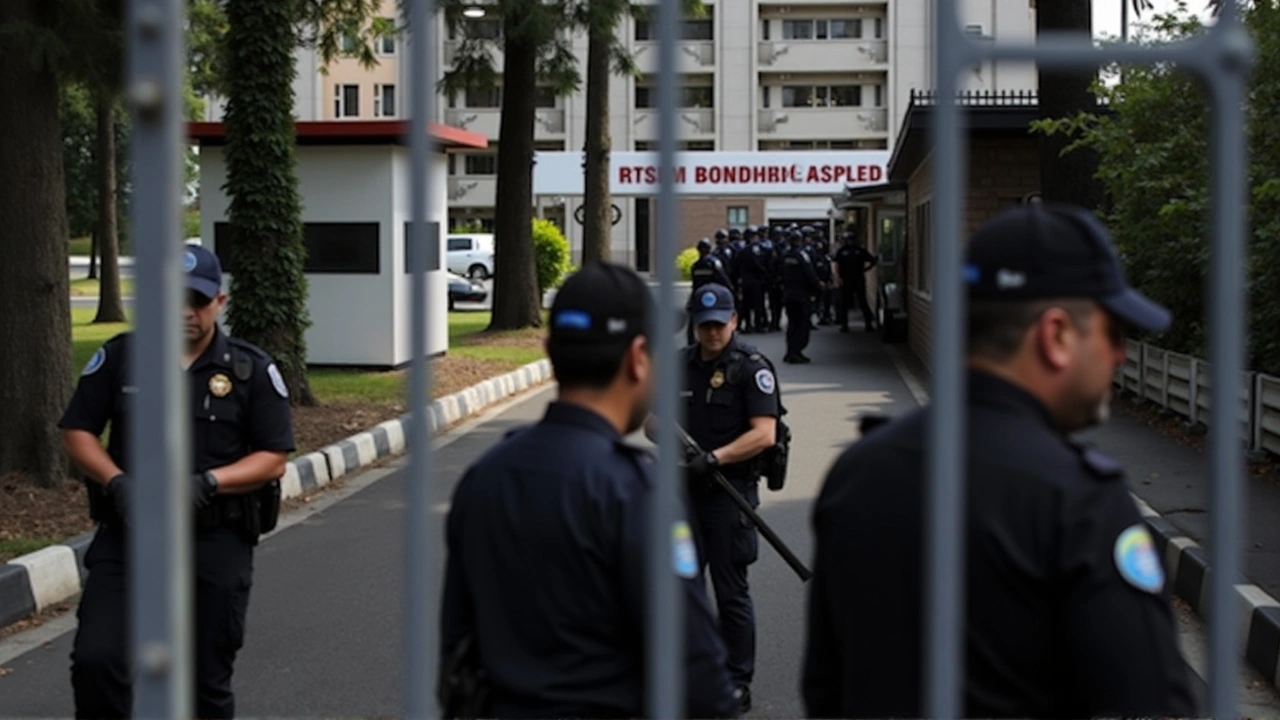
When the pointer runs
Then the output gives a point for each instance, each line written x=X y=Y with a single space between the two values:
x=470 y=254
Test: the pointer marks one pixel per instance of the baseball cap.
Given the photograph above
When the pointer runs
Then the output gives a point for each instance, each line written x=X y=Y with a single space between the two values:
x=1045 y=250
x=601 y=303
x=714 y=304
x=204 y=271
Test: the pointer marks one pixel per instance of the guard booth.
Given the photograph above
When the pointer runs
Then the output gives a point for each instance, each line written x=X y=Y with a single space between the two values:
x=353 y=178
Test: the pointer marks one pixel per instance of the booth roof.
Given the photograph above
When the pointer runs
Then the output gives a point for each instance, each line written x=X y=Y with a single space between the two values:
x=350 y=132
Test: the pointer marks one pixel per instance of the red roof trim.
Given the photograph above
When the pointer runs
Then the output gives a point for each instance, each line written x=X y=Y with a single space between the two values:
x=354 y=130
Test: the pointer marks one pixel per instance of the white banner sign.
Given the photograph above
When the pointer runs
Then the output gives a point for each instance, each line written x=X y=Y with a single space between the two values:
x=720 y=173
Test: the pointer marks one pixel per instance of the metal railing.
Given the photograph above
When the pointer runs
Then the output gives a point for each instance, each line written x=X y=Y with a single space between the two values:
x=160 y=540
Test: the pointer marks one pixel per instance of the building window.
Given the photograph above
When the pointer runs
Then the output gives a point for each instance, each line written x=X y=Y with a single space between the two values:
x=879 y=28
x=922 y=267
x=737 y=216
x=699 y=29
x=346 y=101
x=821 y=29
x=387 y=43
x=477 y=97
x=821 y=95
x=384 y=101
x=689 y=96
x=879 y=91
x=481 y=164
x=546 y=97
x=487 y=29
x=349 y=44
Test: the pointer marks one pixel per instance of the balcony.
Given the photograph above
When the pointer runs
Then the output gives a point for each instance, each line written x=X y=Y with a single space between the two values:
x=494 y=48
x=473 y=191
x=487 y=121
x=692 y=56
x=804 y=123
x=809 y=56
x=692 y=124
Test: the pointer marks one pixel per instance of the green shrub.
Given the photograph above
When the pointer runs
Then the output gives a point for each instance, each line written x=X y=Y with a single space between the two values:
x=551 y=253
x=467 y=228
x=685 y=261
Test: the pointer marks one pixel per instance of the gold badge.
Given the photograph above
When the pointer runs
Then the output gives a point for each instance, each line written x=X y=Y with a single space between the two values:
x=717 y=380
x=220 y=385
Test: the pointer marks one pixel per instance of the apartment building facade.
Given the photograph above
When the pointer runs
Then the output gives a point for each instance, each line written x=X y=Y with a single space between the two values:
x=756 y=75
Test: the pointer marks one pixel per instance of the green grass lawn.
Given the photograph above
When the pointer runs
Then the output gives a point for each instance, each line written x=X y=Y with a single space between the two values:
x=466 y=340
x=80 y=246
x=84 y=287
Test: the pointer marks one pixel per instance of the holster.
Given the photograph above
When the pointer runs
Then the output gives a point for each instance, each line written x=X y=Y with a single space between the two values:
x=462 y=688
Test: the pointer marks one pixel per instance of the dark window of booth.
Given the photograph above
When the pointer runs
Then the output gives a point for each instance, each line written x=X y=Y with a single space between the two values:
x=332 y=248
x=433 y=247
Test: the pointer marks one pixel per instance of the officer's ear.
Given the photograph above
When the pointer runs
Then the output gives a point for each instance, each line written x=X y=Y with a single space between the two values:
x=1056 y=336
x=638 y=360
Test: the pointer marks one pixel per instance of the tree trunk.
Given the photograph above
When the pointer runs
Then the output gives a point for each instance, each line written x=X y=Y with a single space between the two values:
x=93 y=255
x=35 y=367
x=110 y=304
x=1064 y=93
x=516 y=301
x=597 y=225
x=268 y=258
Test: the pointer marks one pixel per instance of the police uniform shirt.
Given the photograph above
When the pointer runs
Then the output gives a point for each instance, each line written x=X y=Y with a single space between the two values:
x=724 y=393
x=1067 y=611
x=852 y=259
x=547 y=570
x=799 y=278
x=239 y=402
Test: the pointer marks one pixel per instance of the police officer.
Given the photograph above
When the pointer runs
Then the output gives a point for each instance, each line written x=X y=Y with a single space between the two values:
x=799 y=284
x=753 y=272
x=822 y=268
x=546 y=569
x=775 y=278
x=706 y=269
x=1067 y=607
x=732 y=411
x=241 y=436
x=852 y=263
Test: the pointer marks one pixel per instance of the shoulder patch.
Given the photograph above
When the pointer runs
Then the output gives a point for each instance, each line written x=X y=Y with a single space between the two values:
x=277 y=381
x=765 y=381
x=1137 y=561
x=96 y=361
x=684 y=556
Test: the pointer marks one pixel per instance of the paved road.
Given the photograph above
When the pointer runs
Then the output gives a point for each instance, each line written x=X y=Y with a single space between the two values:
x=325 y=626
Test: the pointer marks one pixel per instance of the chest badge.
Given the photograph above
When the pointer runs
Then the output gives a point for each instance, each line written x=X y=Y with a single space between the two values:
x=717 y=379
x=220 y=385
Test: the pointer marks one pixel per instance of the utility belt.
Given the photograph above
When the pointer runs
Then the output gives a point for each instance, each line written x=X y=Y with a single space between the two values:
x=249 y=514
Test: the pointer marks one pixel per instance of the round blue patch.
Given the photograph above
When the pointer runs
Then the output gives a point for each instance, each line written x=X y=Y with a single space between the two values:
x=685 y=560
x=708 y=299
x=95 y=362
x=189 y=261
x=1136 y=559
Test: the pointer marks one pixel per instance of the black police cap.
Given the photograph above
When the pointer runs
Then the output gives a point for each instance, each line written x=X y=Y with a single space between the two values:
x=704 y=244
x=721 y=234
x=602 y=303
x=1041 y=251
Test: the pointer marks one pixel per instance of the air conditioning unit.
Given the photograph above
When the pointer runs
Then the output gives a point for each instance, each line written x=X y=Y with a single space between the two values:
x=974 y=29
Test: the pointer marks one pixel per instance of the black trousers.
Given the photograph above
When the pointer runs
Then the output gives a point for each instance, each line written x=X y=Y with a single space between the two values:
x=100 y=657
x=775 y=306
x=753 y=316
x=851 y=296
x=728 y=544
x=798 y=327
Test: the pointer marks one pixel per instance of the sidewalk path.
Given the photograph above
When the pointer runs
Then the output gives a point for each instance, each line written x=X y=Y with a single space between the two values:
x=326 y=626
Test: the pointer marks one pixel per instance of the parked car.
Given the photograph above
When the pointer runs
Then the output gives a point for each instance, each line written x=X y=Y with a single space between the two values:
x=470 y=254
x=463 y=290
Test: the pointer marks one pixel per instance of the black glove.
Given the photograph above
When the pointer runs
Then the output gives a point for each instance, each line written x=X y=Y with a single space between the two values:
x=702 y=465
x=117 y=489
x=204 y=486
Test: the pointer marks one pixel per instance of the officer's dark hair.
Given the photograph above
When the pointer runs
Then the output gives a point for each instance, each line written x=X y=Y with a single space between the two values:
x=587 y=350
x=997 y=327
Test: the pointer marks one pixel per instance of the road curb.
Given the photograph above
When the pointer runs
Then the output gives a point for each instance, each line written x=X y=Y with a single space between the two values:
x=32 y=583
x=1187 y=575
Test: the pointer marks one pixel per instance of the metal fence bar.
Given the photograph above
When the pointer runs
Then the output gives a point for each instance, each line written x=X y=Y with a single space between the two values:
x=421 y=596
x=160 y=530
x=1222 y=57
x=946 y=459
x=1226 y=85
x=666 y=691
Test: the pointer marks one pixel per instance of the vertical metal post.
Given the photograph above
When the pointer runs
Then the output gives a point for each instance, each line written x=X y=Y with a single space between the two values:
x=1226 y=292
x=159 y=434
x=946 y=498
x=666 y=691
x=421 y=596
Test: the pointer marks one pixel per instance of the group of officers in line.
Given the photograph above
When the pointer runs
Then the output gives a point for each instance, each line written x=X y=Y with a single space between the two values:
x=544 y=608
x=791 y=268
